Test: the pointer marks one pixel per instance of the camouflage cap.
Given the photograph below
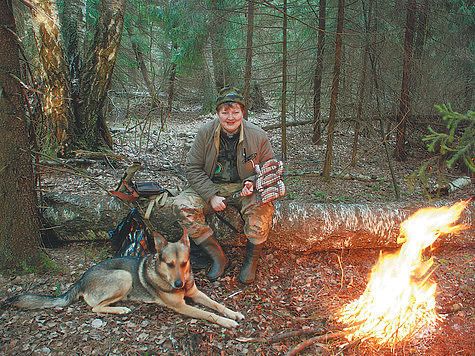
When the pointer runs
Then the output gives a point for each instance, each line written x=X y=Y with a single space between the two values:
x=229 y=94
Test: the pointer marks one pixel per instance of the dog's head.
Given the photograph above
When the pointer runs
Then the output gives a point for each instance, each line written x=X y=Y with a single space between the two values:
x=174 y=260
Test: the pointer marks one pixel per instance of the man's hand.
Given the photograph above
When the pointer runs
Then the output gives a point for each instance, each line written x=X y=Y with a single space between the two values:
x=247 y=189
x=217 y=203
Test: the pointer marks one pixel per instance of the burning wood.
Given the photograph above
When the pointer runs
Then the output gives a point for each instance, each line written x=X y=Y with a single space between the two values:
x=399 y=299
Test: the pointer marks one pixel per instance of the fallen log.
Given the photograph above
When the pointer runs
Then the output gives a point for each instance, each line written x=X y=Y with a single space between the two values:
x=297 y=225
x=98 y=156
x=344 y=176
x=451 y=186
x=306 y=226
x=287 y=124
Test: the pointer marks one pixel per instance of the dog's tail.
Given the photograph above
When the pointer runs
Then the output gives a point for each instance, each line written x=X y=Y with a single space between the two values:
x=34 y=301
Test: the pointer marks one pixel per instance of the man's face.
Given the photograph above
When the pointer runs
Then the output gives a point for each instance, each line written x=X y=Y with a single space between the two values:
x=230 y=117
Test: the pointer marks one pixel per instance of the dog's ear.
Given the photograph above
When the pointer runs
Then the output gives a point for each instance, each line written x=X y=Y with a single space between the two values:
x=185 y=239
x=160 y=241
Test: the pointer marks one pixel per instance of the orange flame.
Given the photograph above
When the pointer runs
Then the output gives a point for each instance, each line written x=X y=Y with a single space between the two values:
x=399 y=299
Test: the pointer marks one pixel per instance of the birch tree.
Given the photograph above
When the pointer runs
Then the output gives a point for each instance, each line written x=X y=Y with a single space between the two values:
x=52 y=72
x=75 y=73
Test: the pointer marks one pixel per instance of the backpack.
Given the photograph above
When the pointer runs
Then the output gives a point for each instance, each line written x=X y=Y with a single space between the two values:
x=130 y=237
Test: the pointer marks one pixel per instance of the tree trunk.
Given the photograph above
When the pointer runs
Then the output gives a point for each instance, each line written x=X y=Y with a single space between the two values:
x=298 y=226
x=361 y=93
x=74 y=92
x=221 y=64
x=171 y=86
x=55 y=97
x=420 y=36
x=381 y=117
x=218 y=71
x=362 y=82
x=257 y=101
x=317 y=82
x=334 y=97
x=73 y=29
x=208 y=81
x=284 y=83
x=143 y=70
x=96 y=76
x=19 y=223
x=468 y=90
x=404 y=101
x=248 y=69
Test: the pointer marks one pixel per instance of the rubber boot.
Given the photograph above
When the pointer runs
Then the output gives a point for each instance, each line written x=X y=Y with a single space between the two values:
x=249 y=267
x=218 y=260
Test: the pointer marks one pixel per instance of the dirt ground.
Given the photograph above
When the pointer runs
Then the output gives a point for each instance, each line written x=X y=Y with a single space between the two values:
x=293 y=292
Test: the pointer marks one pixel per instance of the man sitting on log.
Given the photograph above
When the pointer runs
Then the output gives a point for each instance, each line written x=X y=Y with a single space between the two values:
x=221 y=166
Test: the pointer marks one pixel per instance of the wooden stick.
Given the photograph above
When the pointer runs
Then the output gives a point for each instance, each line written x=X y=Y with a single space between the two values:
x=314 y=340
x=285 y=335
x=128 y=176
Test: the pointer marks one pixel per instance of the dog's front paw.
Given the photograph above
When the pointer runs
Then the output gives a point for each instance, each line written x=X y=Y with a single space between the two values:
x=233 y=315
x=228 y=323
x=111 y=310
x=237 y=316
x=123 y=310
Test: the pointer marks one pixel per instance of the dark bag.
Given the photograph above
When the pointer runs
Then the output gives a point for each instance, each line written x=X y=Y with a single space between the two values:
x=148 y=189
x=138 y=190
x=130 y=237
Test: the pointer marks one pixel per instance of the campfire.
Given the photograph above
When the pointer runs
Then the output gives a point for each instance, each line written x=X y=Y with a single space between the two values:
x=400 y=299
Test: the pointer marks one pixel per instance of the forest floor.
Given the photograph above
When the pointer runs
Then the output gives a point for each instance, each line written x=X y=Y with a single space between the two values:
x=293 y=291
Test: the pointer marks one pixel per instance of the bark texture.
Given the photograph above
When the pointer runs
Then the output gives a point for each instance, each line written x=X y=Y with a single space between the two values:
x=248 y=68
x=317 y=80
x=97 y=75
x=334 y=96
x=284 y=83
x=143 y=70
x=55 y=98
x=404 y=101
x=19 y=224
x=297 y=226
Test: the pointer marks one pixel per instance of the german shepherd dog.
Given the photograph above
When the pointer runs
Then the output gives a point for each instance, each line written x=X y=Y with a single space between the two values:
x=164 y=278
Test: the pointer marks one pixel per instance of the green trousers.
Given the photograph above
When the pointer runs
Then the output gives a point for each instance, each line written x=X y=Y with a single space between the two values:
x=191 y=210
